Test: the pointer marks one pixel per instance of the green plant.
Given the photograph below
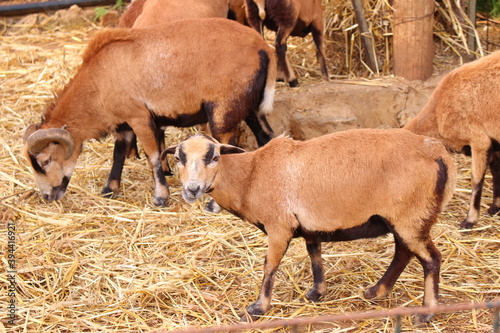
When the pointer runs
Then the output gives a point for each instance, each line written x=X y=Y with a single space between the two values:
x=101 y=11
x=489 y=6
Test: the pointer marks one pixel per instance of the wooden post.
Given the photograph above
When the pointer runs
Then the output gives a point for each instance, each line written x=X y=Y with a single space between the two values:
x=471 y=37
x=413 y=45
x=366 y=35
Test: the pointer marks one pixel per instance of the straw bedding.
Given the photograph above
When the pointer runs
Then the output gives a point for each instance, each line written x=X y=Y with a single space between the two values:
x=90 y=264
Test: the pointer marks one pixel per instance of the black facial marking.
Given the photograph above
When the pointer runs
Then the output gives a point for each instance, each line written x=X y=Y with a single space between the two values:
x=182 y=156
x=210 y=154
x=63 y=186
x=36 y=166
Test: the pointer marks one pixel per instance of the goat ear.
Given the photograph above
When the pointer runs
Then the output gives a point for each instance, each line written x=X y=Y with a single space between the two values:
x=228 y=149
x=30 y=130
x=169 y=150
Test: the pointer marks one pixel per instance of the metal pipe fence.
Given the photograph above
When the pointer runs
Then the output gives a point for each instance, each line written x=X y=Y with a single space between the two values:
x=294 y=323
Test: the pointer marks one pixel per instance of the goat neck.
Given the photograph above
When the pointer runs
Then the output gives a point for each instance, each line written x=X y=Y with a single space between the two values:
x=232 y=181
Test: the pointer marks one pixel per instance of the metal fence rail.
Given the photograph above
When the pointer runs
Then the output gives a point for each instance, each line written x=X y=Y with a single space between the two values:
x=398 y=313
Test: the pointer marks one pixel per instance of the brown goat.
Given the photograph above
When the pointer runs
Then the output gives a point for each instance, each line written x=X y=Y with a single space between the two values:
x=343 y=186
x=462 y=112
x=145 y=13
x=289 y=18
x=140 y=80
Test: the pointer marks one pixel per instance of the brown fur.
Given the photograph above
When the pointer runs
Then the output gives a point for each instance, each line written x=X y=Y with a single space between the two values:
x=289 y=18
x=129 y=16
x=165 y=75
x=145 y=13
x=348 y=185
x=238 y=7
x=464 y=111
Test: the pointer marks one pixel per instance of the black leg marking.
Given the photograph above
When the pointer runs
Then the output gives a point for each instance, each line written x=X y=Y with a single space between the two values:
x=261 y=135
x=431 y=272
x=494 y=164
x=319 y=287
x=320 y=55
x=402 y=256
x=119 y=156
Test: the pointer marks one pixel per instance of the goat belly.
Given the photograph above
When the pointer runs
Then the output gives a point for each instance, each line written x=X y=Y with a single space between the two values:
x=375 y=226
x=182 y=120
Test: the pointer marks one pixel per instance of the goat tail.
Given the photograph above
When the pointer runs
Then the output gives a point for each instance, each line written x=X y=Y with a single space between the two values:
x=267 y=103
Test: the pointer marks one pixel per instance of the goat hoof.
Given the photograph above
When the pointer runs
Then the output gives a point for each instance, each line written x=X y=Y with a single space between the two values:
x=423 y=318
x=213 y=207
x=313 y=295
x=251 y=312
x=160 y=202
x=374 y=292
x=107 y=192
x=466 y=224
x=370 y=293
x=493 y=210
x=294 y=83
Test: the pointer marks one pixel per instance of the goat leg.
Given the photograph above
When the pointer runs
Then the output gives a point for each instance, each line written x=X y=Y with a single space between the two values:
x=494 y=164
x=278 y=244
x=125 y=139
x=479 y=163
x=402 y=256
x=319 y=287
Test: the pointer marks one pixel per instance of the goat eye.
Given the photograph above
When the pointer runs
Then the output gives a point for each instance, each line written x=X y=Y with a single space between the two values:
x=45 y=163
x=177 y=159
x=215 y=158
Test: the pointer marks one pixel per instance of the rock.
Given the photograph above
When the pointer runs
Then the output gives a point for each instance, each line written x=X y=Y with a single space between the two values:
x=317 y=109
x=73 y=17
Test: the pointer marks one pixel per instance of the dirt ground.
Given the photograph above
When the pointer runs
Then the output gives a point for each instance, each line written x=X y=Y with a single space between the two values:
x=92 y=264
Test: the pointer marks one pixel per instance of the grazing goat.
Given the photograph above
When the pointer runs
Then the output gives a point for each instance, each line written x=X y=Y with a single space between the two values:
x=463 y=112
x=344 y=186
x=289 y=18
x=139 y=80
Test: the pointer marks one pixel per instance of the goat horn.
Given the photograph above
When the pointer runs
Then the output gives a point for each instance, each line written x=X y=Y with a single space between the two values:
x=41 y=138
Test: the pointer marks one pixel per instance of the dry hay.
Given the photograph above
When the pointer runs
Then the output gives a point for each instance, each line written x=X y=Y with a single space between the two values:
x=89 y=264
x=345 y=53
